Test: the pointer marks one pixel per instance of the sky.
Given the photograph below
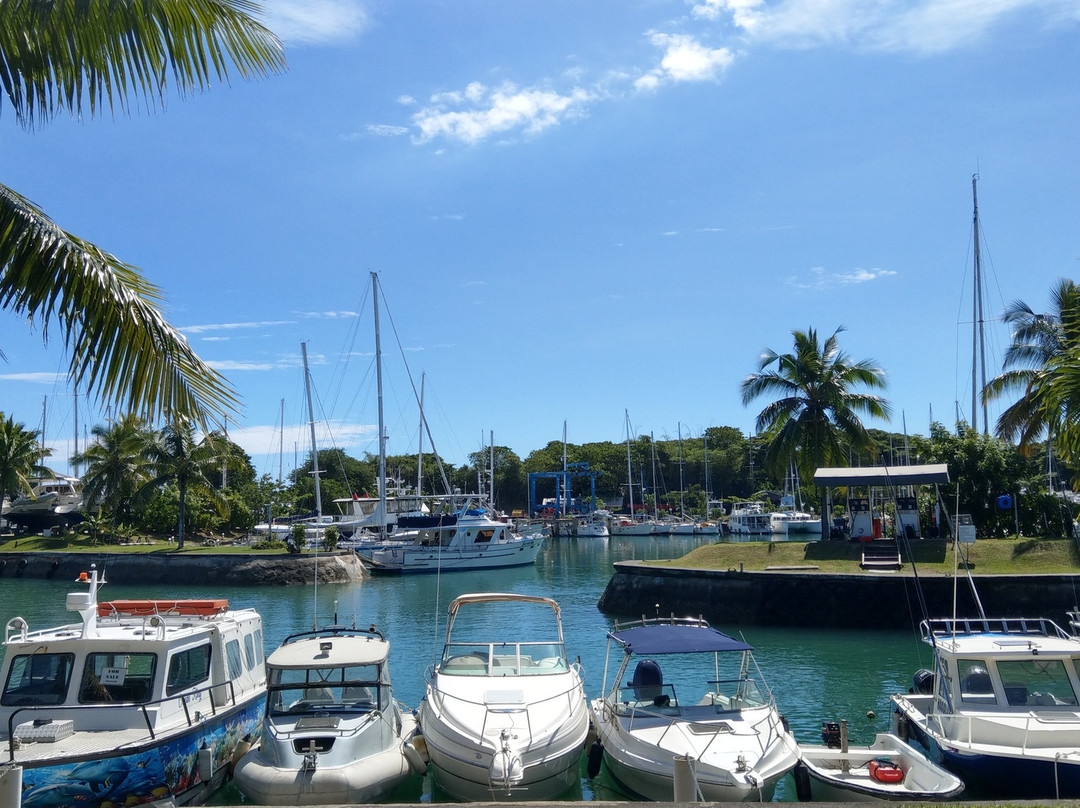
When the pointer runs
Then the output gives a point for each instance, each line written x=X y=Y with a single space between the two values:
x=576 y=211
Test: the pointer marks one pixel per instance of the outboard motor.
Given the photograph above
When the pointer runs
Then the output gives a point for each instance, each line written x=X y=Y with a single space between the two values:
x=923 y=682
x=830 y=734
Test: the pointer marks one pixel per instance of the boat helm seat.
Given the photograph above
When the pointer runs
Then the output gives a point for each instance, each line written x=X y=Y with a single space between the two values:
x=648 y=680
x=978 y=683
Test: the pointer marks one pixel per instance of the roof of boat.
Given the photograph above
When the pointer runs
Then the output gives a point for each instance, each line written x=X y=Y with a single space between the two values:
x=330 y=651
x=676 y=638
x=1003 y=636
x=505 y=597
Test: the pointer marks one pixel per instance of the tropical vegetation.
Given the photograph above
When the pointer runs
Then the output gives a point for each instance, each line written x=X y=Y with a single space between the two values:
x=20 y=457
x=87 y=58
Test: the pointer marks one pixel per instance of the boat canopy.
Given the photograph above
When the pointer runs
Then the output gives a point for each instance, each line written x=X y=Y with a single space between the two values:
x=882 y=475
x=343 y=652
x=675 y=639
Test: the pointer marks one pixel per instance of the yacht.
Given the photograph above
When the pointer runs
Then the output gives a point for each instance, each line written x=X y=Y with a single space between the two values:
x=52 y=501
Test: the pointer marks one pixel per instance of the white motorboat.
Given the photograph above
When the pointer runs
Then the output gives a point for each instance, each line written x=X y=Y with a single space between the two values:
x=594 y=525
x=464 y=539
x=333 y=731
x=1001 y=708
x=657 y=734
x=795 y=525
x=505 y=712
x=706 y=529
x=144 y=701
x=749 y=519
x=631 y=527
x=888 y=770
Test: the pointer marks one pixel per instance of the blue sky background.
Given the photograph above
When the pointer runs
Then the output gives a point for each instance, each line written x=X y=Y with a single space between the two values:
x=578 y=208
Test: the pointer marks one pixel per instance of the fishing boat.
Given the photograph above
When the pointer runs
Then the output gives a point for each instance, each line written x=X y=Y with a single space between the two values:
x=333 y=732
x=657 y=734
x=887 y=770
x=505 y=712
x=1000 y=708
x=144 y=701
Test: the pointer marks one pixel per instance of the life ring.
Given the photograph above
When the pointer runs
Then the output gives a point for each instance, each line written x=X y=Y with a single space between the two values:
x=885 y=771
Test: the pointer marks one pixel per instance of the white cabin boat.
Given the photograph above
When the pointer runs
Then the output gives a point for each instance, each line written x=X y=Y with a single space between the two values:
x=144 y=701
x=888 y=770
x=1001 y=708
x=732 y=740
x=594 y=525
x=625 y=526
x=795 y=525
x=465 y=539
x=333 y=731
x=505 y=712
x=749 y=519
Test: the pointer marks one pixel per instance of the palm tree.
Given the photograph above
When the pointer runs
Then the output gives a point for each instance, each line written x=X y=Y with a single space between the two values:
x=816 y=415
x=117 y=464
x=179 y=459
x=20 y=457
x=90 y=57
x=1043 y=363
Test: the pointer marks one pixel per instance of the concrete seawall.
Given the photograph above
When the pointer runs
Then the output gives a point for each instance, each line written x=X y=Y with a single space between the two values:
x=180 y=568
x=824 y=600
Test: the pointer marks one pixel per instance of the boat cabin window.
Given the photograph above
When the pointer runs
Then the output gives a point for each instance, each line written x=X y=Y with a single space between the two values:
x=976 y=686
x=249 y=651
x=38 y=679
x=1037 y=682
x=112 y=677
x=188 y=668
x=355 y=688
x=258 y=646
x=484 y=536
x=232 y=657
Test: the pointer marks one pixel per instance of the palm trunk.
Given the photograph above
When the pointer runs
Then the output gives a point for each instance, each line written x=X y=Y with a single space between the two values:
x=180 y=527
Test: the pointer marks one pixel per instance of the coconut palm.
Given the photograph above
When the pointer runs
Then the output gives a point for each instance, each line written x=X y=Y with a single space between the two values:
x=20 y=457
x=116 y=465
x=815 y=417
x=179 y=458
x=87 y=57
x=1043 y=364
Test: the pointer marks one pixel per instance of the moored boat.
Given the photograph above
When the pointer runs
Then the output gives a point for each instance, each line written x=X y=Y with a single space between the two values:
x=333 y=731
x=887 y=770
x=142 y=702
x=655 y=730
x=1001 y=708
x=505 y=711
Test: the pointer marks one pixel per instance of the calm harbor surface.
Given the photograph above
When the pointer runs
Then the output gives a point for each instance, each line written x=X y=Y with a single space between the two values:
x=815 y=674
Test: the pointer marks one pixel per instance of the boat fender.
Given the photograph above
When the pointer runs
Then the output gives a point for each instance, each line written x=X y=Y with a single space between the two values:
x=416 y=754
x=801 y=774
x=901 y=726
x=784 y=723
x=243 y=746
x=884 y=770
x=596 y=757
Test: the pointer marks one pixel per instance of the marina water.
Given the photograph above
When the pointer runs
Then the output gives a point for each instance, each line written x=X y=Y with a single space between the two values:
x=815 y=674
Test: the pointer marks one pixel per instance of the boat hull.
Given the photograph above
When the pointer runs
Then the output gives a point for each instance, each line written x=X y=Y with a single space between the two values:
x=165 y=771
x=410 y=559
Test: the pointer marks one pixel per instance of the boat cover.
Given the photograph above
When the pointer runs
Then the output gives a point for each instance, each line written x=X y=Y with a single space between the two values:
x=668 y=639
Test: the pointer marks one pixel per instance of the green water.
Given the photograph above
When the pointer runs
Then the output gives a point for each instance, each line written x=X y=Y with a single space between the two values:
x=815 y=675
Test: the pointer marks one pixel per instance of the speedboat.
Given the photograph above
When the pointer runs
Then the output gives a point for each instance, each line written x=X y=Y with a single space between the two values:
x=333 y=731
x=658 y=735
x=887 y=770
x=466 y=539
x=505 y=711
x=144 y=701
x=1001 y=707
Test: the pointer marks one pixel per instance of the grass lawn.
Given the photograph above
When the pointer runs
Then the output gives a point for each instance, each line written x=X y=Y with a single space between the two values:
x=990 y=556
x=78 y=543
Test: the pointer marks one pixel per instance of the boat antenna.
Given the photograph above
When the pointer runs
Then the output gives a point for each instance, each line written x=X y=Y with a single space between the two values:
x=318 y=492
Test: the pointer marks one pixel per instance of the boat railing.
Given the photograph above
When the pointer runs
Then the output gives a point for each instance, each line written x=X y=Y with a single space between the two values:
x=944 y=627
x=1031 y=732
x=147 y=709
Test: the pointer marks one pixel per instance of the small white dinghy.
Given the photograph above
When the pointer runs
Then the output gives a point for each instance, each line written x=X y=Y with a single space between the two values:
x=885 y=771
x=333 y=731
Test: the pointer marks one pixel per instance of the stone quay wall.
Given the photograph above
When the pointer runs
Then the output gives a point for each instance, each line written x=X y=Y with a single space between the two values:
x=229 y=569
x=826 y=600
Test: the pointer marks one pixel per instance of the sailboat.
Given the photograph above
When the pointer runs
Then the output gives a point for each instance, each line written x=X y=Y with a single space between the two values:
x=459 y=535
x=629 y=526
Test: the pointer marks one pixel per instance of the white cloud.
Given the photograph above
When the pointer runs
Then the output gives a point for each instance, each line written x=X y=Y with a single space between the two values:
x=313 y=22
x=387 y=130
x=325 y=315
x=233 y=364
x=685 y=59
x=818 y=278
x=478 y=113
x=200 y=329
x=35 y=378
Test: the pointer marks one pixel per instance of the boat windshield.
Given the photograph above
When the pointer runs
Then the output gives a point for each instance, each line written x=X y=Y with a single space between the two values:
x=37 y=679
x=1037 y=682
x=504 y=659
x=355 y=688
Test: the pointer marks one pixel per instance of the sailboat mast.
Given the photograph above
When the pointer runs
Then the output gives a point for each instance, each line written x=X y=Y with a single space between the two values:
x=655 y=490
x=706 y=436
x=311 y=424
x=629 y=468
x=682 y=511
x=420 y=451
x=491 y=448
x=978 y=337
x=75 y=466
x=378 y=376
x=565 y=499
